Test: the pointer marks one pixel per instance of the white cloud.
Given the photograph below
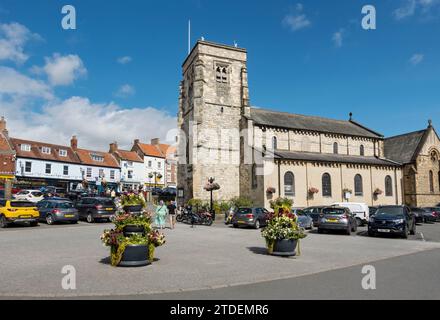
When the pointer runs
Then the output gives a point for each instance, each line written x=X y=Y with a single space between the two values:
x=13 y=38
x=416 y=59
x=410 y=8
x=338 y=38
x=124 y=60
x=13 y=83
x=296 y=20
x=125 y=90
x=62 y=70
x=96 y=125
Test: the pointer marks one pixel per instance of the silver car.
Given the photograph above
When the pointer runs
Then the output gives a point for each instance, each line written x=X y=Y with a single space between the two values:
x=304 y=219
x=337 y=218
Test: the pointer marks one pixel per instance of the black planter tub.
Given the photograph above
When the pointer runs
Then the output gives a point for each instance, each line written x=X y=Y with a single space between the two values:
x=130 y=230
x=284 y=248
x=135 y=209
x=135 y=256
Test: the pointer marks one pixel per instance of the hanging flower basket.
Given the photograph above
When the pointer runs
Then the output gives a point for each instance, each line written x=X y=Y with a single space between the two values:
x=313 y=190
x=377 y=192
x=271 y=190
x=212 y=186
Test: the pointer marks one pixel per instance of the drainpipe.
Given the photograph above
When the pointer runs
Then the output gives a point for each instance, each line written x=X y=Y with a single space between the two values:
x=396 y=186
x=279 y=178
x=307 y=183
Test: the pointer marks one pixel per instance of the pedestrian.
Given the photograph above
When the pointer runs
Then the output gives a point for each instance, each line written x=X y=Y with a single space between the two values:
x=161 y=213
x=172 y=212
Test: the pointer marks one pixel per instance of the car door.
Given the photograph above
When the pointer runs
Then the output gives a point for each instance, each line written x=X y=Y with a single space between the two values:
x=42 y=208
x=80 y=207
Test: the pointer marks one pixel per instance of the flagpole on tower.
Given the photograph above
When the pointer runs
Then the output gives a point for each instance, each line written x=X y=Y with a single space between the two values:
x=189 y=37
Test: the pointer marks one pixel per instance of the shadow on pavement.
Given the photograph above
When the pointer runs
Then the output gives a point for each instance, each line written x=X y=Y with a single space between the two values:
x=258 y=250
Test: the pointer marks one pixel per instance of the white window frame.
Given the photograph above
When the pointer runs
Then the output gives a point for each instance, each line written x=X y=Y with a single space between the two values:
x=25 y=147
x=46 y=150
x=62 y=153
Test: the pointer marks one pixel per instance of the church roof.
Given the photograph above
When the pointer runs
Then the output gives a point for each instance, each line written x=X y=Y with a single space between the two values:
x=310 y=123
x=329 y=157
x=403 y=148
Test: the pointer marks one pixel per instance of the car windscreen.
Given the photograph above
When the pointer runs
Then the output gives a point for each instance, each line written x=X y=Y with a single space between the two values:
x=335 y=211
x=389 y=211
x=64 y=205
x=244 y=211
x=106 y=202
x=37 y=193
x=300 y=213
x=22 y=204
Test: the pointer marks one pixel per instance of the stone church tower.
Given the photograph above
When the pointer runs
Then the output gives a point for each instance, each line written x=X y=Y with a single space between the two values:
x=213 y=98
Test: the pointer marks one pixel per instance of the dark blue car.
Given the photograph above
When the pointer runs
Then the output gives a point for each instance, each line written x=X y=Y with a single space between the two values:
x=398 y=220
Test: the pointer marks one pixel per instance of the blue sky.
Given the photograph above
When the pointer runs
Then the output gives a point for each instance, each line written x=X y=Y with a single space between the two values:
x=308 y=57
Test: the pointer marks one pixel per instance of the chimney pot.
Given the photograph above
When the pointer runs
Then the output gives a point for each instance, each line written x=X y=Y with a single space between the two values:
x=74 y=143
x=155 y=141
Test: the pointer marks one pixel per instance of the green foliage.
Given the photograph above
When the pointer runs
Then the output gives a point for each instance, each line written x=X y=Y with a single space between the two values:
x=241 y=202
x=133 y=220
x=281 y=203
x=133 y=200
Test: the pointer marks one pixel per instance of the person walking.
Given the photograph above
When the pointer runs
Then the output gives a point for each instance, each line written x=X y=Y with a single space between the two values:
x=161 y=213
x=172 y=212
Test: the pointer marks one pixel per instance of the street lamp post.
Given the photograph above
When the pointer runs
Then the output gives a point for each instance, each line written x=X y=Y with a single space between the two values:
x=211 y=181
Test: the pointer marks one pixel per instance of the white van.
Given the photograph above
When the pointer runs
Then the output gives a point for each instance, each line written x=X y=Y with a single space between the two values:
x=360 y=211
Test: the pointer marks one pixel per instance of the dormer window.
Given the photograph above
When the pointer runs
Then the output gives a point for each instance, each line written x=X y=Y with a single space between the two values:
x=45 y=150
x=97 y=157
x=62 y=153
x=25 y=147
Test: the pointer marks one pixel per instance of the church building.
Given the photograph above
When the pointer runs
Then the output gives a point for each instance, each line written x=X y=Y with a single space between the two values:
x=263 y=154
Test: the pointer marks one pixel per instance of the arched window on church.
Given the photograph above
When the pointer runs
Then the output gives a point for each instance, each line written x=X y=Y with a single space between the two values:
x=274 y=143
x=326 y=185
x=439 y=181
x=289 y=184
x=335 y=148
x=362 y=150
x=388 y=186
x=431 y=181
x=254 y=177
x=358 y=186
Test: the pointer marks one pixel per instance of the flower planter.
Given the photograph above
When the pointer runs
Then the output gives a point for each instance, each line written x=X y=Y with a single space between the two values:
x=284 y=248
x=135 y=256
x=133 y=209
x=130 y=230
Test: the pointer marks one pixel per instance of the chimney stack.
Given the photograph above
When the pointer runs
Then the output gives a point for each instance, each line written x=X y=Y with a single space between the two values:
x=74 y=143
x=113 y=147
x=155 y=141
x=136 y=141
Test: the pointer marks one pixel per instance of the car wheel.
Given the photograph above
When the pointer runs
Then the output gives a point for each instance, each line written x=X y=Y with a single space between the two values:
x=359 y=222
x=235 y=225
x=34 y=224
x=3 y=222
x=74 y=222
x=90 y=218
x=320 y=230
x=413 y=231
x=49 y=219
x=405 y=233
x=257 y=224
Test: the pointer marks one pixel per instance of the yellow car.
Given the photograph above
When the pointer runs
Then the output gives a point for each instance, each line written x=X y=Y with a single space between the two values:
x=14 y=211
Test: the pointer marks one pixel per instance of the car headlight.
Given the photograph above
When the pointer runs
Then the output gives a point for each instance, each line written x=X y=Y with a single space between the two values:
x=399 y=221
x=371 y=220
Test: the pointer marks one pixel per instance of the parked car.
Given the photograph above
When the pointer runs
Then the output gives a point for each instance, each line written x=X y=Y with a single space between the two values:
x=29 y=195
x=419 y=214
x=314 y=213
x=156 y=191
x=337 y=218
x=435 y=211
x=373 y=210
x=2 y=194
x=250 y=217
x=98 y=208
x=304 y=219
x=392 y=220
x=360 y=211
x=169 y=191
x=429 y=215
x=16 y=211
x=55 y=210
